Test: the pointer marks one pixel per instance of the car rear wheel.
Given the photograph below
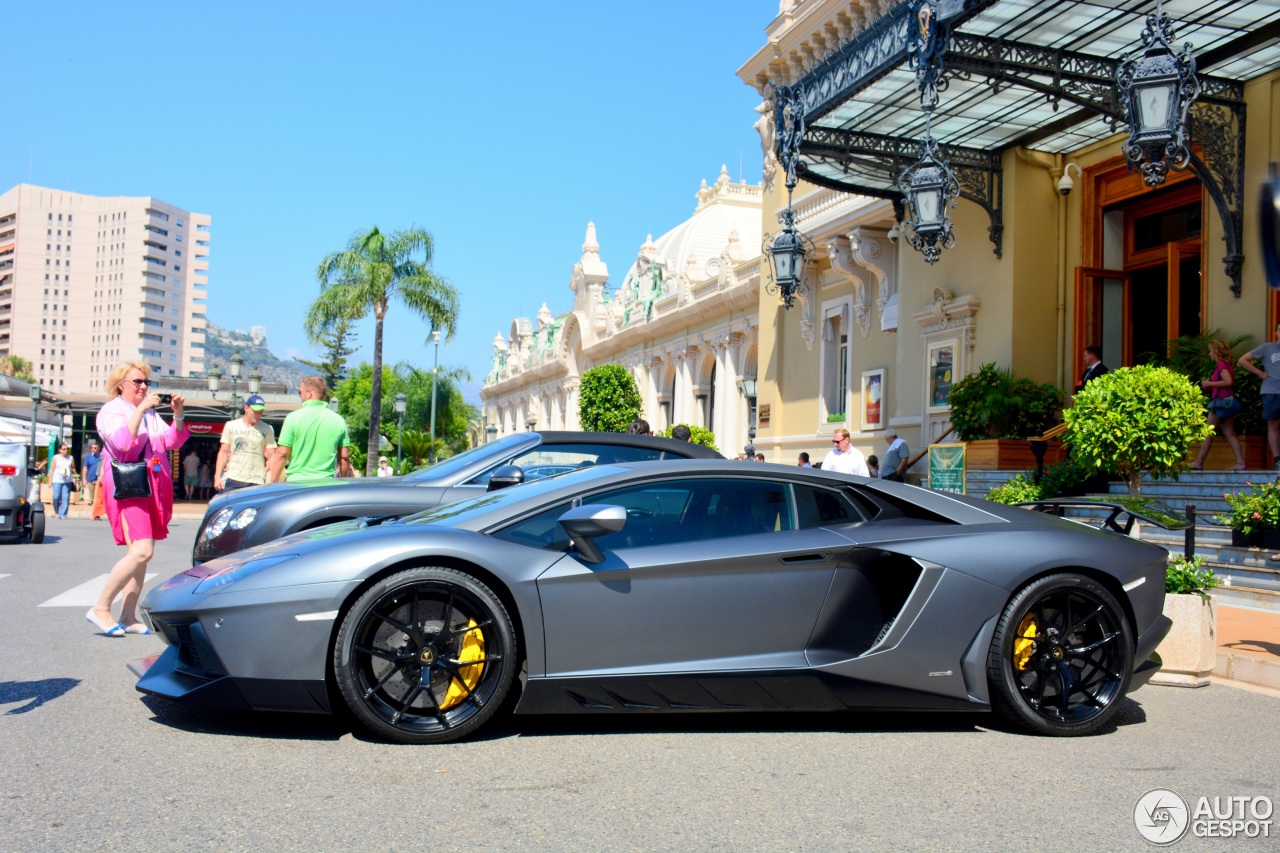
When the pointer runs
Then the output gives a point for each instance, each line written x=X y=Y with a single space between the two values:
x=1061 y=657
x=37 y=528
x=425 y=655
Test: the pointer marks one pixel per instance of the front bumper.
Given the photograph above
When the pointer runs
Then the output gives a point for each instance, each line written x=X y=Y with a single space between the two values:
x=168 y=676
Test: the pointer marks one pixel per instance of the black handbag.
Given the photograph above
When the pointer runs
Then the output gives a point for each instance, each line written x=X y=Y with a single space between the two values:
x=130 y=480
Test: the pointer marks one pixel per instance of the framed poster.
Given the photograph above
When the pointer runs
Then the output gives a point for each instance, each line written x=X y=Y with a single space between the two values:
x=941 y=367
x=946 y=467
x=873 y=399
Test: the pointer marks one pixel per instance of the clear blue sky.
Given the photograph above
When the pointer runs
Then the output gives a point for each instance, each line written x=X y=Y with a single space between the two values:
x=502 y=128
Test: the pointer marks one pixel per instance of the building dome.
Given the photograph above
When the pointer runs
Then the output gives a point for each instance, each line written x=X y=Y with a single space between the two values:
x=728 y=215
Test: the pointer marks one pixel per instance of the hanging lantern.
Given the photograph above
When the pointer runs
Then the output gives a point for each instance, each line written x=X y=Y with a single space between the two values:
x=789 y=254
x=930 y=191
x=1157 y=89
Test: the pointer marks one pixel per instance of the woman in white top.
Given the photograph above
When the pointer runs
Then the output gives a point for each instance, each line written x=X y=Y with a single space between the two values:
x=63 y=477
x=384 y=467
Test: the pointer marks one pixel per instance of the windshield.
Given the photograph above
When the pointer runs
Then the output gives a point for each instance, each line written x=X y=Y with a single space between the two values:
x=454 y=464
x=456 y=514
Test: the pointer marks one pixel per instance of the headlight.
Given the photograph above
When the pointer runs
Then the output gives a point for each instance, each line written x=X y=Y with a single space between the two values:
x=244 y=519
x=238 y=572
x=218 y=524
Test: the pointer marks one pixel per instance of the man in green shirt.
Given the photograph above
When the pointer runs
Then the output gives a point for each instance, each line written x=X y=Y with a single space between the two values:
x=313 y=443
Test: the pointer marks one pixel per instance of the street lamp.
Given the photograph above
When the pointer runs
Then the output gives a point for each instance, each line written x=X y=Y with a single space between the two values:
x=490 y=432
x=33 y=390
x=1157 y=89
x=402 y=402
x=748 y=389
x=234 y=368
x=435 y=380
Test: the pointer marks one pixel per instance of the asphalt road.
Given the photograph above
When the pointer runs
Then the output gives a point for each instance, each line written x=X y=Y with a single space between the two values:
x=87 y=763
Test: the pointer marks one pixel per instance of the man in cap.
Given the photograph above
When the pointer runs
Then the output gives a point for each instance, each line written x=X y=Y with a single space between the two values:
x=247 y=443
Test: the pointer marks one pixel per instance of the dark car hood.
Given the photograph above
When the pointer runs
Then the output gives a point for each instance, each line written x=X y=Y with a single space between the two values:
x=260 y=494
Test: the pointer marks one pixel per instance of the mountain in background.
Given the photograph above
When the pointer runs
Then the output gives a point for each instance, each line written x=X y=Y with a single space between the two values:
x=221 y=344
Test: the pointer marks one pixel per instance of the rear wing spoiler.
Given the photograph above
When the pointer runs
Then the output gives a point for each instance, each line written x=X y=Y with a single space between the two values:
x=1123 y=511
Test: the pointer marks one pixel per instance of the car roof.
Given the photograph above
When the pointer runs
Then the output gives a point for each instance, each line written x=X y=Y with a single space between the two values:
x=686 y=449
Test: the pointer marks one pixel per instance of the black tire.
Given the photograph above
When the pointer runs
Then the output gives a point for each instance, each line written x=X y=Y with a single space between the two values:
x=37 y=528
x=1061 y=657
x=404 y=659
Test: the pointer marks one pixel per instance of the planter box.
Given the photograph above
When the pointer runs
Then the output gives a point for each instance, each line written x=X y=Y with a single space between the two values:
x=1189 y=652
x=1008 y=454
x=1253 y=447
x=46 y=493
x=1268 y=538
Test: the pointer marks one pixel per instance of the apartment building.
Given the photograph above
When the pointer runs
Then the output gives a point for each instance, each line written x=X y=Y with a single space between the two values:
x=87 y=282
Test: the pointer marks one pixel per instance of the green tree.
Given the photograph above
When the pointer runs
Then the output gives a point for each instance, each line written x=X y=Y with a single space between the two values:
x=336 y=341
x=1137 y=420
x=373 y=271
x=17 y=367
x=608 y=400
x=697 y=435
x=993 y=403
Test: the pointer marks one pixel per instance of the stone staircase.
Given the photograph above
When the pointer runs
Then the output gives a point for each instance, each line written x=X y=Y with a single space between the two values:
x=1249 y=578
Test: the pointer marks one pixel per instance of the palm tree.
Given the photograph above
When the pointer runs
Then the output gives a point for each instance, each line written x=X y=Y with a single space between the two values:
x=372 y=270
x=17 y=367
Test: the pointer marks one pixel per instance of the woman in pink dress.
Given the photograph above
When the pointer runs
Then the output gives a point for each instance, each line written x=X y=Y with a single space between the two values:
x=130 y=430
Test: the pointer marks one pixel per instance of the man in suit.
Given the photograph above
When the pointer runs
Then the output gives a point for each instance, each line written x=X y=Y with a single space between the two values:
x=1093 y=366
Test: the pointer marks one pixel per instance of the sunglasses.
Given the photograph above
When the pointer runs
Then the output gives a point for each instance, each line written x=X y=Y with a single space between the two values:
x=141 y=383
x=838 y=440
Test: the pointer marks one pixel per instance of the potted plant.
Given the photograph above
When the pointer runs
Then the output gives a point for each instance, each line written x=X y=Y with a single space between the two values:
x=1137 y=420
x=1189 y=652
x=1254 y=518
x=994 y=411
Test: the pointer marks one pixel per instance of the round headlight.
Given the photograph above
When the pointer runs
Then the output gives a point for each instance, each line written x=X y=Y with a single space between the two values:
x=218 y=524
x=244 y=519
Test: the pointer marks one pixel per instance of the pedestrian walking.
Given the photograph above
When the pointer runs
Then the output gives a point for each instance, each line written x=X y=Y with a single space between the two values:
x=803 y=460
x=90 y=464
x=844 y=457
x=681 y=432
x=132 y=431
x=63 y=476
x=190 y=473
x=873 y=466
x=1223 y=405
x=639 y=427
x=1269 y=355
x=314 y=443
x=246 y=446
x=896 y=458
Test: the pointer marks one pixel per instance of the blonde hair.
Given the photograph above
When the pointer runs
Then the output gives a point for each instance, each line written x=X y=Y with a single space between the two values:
x=841 y=432
x=315 y=385
x=1220 y=350
x=117 y=376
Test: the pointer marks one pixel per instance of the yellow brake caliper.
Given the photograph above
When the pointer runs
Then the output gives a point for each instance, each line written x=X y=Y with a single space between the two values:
x=1025 y=644
x=472 y=650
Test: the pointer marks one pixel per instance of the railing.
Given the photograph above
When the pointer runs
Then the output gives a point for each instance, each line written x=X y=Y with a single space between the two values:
x=925 y=452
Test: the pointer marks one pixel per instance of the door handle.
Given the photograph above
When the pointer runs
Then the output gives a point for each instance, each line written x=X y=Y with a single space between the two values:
x=806 y=558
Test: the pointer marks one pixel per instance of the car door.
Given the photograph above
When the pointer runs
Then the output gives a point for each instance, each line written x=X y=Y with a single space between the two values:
x=707 y=574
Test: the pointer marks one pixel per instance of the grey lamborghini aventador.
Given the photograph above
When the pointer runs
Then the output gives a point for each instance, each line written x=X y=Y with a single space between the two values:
x=698 y=585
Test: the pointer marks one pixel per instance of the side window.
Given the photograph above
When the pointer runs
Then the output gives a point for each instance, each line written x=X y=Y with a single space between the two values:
x=548 y=460
x=676 y=511
x=539 y=531
x=819 y=507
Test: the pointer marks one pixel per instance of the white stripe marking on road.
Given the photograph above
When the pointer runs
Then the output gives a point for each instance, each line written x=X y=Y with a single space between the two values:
x=86 y=594
x=5 y=576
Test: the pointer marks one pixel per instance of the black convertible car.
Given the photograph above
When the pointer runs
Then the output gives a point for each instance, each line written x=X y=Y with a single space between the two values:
x=254 y=516
x=697 y=585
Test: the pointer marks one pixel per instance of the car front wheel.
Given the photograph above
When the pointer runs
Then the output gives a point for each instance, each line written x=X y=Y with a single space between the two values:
x=1061 y=657
x=425 y=655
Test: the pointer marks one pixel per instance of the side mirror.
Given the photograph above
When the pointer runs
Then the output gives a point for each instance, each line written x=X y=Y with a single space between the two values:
x=505 y=477
x=584 y=523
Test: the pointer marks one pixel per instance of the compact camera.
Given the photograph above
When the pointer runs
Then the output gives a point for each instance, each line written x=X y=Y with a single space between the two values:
x=166 y=399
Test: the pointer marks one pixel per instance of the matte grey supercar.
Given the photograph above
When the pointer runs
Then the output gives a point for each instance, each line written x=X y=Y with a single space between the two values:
x=692 y=585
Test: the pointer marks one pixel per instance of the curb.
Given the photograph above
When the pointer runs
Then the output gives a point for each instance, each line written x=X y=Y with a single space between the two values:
x=1251 y=668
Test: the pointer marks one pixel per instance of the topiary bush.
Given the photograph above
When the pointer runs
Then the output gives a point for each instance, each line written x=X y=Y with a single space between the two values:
x=993 y=403
x=1137 y=420
x=697 y=435
x=608 y=400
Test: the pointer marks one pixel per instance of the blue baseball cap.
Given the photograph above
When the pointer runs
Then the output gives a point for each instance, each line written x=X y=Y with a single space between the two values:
x=256 y=403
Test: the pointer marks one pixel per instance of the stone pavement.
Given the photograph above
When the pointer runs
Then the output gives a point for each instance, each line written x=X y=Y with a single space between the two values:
x=1248 y=646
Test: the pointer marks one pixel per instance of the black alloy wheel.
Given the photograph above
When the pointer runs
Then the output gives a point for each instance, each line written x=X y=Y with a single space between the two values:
x=425 y=655
x=1061 y=657
x=36 y=530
